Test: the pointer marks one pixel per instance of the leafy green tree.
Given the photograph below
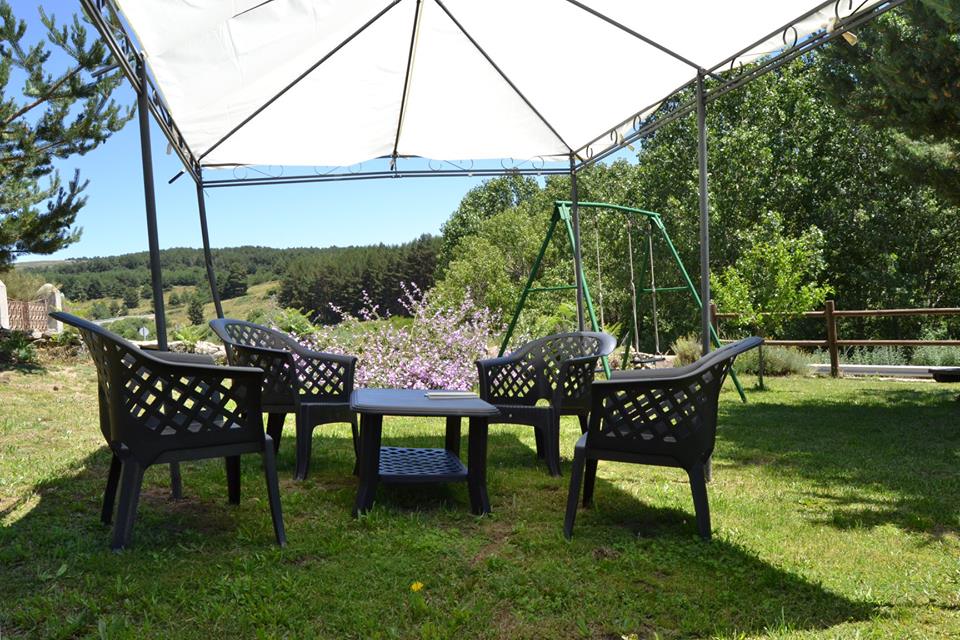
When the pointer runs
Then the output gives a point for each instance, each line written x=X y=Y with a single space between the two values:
x=904 y=75
x=55 y=114
x=775 y=277
x=778 y=144
x=482 y=202
x=131 y=297
x=195 y=310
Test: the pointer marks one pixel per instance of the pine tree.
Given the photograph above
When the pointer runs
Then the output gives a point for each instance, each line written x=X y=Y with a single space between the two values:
x=131 y=297
x=195 y=310
x=904 y=75
x=54 y=115
x=235 y=284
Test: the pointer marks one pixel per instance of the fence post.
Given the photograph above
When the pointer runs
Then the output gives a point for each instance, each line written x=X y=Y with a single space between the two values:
x=832 y=338
x=4 y=309
x=713 y=318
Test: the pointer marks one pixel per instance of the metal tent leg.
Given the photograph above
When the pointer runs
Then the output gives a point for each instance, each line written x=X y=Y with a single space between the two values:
x=577 y=254
x=143 y=112
x=207 y=257
x=704 y=215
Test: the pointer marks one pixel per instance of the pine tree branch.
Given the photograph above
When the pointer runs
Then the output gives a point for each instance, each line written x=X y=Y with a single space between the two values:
x=32 y=105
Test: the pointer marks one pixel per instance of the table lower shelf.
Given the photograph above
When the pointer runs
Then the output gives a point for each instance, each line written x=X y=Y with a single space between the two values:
x=415 y=465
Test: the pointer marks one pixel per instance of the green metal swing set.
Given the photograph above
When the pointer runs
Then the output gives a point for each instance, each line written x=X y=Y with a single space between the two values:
x=562 y=216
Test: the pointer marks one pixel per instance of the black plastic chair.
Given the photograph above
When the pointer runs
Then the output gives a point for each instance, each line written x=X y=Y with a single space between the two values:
x=665 y=417
x=558 y=369
x=315 y=387
x=159 y=408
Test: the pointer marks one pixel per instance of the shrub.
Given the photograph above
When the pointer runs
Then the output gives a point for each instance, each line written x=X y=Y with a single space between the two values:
x=688 y=349
x=777 y=361
x=936 y=356
x=98 y=311
x=22 y=283
x=16 y=348
x=875 y=355
x=129 y=328
x=435 y=349
x=191 y=335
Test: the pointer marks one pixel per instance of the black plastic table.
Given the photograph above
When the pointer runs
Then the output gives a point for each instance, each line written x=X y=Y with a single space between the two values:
x=417 y=465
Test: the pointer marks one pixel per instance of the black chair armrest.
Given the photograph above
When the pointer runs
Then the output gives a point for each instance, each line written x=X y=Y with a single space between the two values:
x=189 y=358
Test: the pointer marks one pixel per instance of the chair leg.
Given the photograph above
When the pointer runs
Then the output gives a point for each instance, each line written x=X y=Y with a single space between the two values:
x=589 y=480
x=110 y=493
x=538 y=434
x=698 y=486
x=176 y=481
x=552 y=441
x=708 y=469
x=275 y=428
x=304 y=437
x=273 y=491
x=356 y=443
x=583 y=423
x=131 y=479
x=233 y=479
x=573 y=496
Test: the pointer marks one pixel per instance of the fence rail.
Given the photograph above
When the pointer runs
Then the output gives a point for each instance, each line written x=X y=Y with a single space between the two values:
x=832 y=343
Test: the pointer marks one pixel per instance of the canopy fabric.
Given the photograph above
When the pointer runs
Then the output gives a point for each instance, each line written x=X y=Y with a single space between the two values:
x=337 y=82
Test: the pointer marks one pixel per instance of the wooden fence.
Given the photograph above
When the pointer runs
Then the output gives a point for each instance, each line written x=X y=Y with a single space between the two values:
x=832 y=343
x=28 y=316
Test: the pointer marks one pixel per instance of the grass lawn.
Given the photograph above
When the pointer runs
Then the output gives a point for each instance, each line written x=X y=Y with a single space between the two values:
x=836 y=512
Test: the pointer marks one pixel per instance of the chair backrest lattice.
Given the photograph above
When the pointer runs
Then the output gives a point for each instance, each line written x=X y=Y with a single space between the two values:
x=674 y=416
x=242 y=340
x=288 y=376
x=558 y=366
x=150 y=406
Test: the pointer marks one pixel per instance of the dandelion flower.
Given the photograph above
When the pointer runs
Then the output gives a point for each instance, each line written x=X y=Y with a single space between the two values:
x=416 y=587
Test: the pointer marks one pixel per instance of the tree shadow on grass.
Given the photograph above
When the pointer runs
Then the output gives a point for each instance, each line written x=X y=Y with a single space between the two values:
x=698 y=588
x=630 y=568
x=901 y=443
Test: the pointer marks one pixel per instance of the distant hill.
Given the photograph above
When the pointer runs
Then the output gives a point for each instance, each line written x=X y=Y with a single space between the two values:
x=306 y=278
x=111 y=276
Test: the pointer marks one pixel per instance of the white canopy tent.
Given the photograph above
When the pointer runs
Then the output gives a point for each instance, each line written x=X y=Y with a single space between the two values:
x=334 y=83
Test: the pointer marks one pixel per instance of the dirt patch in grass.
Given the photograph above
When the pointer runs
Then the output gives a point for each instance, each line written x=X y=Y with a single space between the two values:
x=499 y=534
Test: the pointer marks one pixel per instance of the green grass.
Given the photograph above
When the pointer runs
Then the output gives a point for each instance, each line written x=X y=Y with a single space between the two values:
x=836 y=511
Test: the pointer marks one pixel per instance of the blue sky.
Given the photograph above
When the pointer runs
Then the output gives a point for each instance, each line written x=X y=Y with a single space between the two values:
x=358 y=212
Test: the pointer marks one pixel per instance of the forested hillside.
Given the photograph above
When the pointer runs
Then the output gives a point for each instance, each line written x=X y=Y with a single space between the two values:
x=311 y=278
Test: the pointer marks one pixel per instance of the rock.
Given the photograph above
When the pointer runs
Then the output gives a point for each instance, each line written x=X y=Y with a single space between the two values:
x=210 y=349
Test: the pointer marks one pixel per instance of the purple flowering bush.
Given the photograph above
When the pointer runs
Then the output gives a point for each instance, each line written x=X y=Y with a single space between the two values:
x=433 y=349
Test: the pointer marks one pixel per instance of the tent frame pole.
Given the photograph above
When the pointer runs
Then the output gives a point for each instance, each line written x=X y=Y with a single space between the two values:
x=577 y=254
x=705 y=325
x=207 y=255
x=150 y=200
